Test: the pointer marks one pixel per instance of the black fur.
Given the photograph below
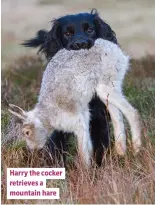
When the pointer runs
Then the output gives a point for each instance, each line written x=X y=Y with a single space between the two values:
x=75 y=32
x=57 y=146
x=99 y=127
x=37 y=41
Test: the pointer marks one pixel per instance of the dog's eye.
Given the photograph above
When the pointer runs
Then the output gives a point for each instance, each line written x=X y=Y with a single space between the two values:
x=90 y=30
x=68 y=34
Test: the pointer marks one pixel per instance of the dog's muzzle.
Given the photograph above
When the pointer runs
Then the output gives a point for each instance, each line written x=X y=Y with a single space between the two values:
x=80 y=44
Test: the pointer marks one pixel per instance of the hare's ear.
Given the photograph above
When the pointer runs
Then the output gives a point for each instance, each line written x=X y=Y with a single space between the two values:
x=17 y=111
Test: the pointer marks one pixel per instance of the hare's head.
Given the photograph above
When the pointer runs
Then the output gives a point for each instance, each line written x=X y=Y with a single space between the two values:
x=33 y=129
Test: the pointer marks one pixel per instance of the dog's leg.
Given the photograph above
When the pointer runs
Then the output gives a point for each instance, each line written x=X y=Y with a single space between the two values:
x=85 y=148
x=118 y=100
x=99 y=128
x=57 y=147
x=119 y=132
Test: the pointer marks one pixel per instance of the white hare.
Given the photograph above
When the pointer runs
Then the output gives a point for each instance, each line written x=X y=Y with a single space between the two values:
x=69 y=83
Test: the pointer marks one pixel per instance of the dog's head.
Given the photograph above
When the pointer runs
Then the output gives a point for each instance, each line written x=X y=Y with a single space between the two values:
x=75 y=32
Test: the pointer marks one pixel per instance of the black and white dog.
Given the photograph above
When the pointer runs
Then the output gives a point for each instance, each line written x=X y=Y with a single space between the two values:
x=75 y=32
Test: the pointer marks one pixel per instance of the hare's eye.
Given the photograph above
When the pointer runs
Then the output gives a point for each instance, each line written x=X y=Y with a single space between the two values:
x=27 y=132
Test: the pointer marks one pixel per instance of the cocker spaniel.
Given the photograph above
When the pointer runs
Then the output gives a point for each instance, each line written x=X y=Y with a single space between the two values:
x=75 y=32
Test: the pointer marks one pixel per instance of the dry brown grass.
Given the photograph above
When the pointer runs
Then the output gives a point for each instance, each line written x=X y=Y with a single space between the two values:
x=119 y=180
x=131 y=180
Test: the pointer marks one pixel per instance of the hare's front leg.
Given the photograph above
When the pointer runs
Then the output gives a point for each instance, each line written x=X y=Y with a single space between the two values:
x=117 y=99
x=85 y=147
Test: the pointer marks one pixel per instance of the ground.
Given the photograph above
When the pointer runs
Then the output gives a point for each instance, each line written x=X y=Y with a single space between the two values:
x=130 y=179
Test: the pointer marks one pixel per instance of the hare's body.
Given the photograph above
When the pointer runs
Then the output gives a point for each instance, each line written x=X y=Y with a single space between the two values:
x=77 y=75
x=69 y=83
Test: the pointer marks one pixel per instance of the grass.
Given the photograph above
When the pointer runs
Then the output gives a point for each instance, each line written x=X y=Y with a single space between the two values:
x=120 y=180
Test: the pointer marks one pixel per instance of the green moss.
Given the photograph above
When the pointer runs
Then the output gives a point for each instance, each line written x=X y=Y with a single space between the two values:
x=142 y=99
x=72 y=145
x=4 y=119
x=16 y=145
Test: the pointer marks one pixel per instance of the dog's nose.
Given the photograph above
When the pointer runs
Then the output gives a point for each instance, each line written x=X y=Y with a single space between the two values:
x=80 y=45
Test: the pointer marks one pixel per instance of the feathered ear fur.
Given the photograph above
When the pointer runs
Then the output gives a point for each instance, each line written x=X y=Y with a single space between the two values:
x=103 y=29
x=38 y=40
x=52 y=43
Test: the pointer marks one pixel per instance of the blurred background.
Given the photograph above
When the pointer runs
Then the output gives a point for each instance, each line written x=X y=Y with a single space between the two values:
x=133 y=21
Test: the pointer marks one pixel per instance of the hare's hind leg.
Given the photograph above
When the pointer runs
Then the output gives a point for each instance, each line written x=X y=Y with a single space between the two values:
x=119 y=132
x=117 y=99
x=85 y=147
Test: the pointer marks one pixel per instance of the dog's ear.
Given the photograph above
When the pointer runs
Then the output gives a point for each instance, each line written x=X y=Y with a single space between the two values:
x=103 y=30
x=52 y=42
